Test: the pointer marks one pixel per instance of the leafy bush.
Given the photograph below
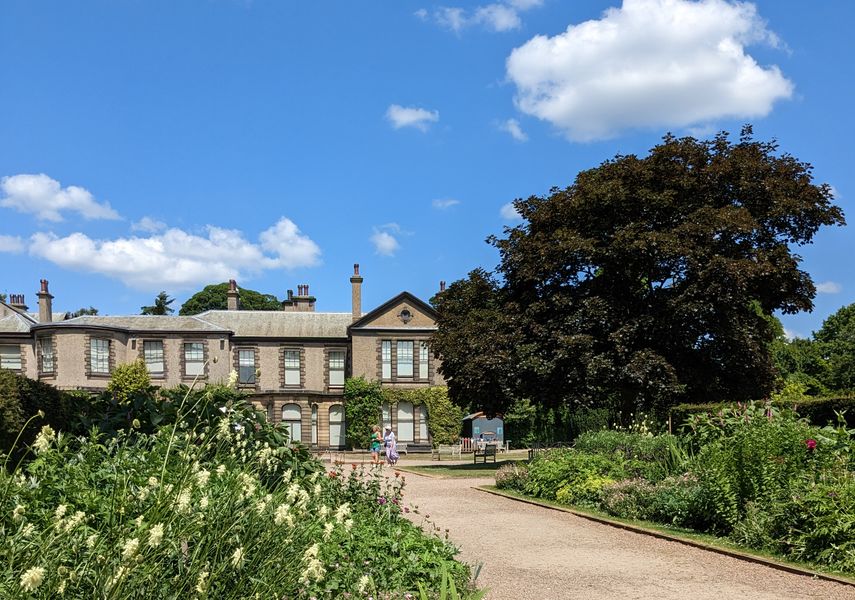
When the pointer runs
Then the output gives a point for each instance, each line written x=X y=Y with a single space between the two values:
x=570 y=476
x=21 y=398
x=129 y=380
x=362 y=401
x=818 y=411
x=629 y=499
x=653 y=457
x=512 y=476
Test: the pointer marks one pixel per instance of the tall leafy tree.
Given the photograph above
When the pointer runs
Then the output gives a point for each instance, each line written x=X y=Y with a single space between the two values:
x=647 y=281
x=213 y=297
x=160 y=306
x=80 y=312
x=836 y=343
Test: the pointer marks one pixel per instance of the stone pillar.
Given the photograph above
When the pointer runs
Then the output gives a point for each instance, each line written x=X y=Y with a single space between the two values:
x=45 y=303
x=233 y=296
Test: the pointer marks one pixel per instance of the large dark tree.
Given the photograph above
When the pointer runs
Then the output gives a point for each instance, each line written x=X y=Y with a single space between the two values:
x=160 y=306
x=213 y=297
x=646 y=282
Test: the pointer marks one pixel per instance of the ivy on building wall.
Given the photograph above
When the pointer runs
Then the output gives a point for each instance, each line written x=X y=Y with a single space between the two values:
x=444 y=418
x=362 y=401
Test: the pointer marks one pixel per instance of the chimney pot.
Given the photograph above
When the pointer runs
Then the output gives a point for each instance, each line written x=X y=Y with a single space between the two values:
x=441 y=286
x=356 y=268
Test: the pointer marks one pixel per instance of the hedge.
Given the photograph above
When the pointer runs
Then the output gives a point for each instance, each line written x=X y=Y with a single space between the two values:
x=818 y=410
x=21 y=398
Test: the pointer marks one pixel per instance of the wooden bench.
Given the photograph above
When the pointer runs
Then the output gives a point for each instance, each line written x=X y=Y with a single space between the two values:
x=447 y=449
x=485 y=452
x=402 y=448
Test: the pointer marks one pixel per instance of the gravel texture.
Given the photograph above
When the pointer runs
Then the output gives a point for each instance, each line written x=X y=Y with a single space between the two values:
x=526 y=551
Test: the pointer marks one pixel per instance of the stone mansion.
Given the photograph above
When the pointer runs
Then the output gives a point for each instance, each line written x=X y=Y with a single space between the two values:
x=293 y=362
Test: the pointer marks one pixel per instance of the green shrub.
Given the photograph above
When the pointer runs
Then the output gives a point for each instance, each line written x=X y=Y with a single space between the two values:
x=819 y=411
x=649 y=456
x=129 y=380
x=629 y=499
x=21 y=398
x=578 y=476
x=362 y=401
x=512 y=476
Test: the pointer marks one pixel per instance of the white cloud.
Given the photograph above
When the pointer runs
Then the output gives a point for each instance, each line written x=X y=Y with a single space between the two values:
x=176 y=259
x=292 y=248
x=47 y=199
x=650 y=63
x=402 y=116
x=10 y=243
x=444 y=203
x=384 y=242
x=148 y=225
x=792 y=335
x=497 y=16
x=828 y=287
x=509 y=213
x=512 y=126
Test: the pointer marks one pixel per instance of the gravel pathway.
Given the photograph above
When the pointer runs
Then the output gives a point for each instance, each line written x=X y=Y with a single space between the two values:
x=532 y=552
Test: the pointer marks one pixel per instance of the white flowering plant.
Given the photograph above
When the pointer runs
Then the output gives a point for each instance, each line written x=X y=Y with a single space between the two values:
x=196 y=509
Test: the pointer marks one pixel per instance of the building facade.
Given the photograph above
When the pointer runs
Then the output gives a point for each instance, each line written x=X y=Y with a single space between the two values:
x=292 y=362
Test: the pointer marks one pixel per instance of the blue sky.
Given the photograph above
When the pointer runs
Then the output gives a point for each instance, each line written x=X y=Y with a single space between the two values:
x=164 y=145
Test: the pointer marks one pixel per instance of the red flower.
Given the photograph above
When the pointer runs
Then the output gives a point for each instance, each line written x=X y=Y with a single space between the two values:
x=811 y=444
x=333 y=474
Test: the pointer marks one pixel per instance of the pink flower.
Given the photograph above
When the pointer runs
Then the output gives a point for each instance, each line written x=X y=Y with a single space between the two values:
x=811 y=444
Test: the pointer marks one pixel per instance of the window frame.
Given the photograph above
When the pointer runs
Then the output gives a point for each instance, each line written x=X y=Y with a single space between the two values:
x=252 y=379
x=146 y=345
x=46 y=343
x=99 y=356
x=337 y=370
x=295 y=372
x=186 y=352
x=5 y=364
x=400 y=358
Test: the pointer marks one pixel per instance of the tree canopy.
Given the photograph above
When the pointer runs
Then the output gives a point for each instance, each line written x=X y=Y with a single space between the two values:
x=82 y=311
x=648 y=281
x=213 y=297
x=160 y=307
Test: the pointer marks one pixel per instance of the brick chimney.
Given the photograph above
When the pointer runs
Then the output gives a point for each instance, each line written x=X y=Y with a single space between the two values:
x=303 y=301
x=17 y=301
x=356 y=292
x=233 y=296
x=45 y=303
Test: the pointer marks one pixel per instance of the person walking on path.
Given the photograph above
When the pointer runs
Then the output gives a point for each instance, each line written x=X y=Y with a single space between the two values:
x=376 y=444
x=391 y=446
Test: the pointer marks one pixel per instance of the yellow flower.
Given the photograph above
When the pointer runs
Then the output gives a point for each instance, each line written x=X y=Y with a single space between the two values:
x=18 y=513
x=32 y=579
x=201 y=584
x=363 y=584
x=44 y=439
x=202 y=478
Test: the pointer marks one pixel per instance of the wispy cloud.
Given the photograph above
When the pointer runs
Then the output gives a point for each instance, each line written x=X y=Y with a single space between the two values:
x=176 y=259
x=512 y=126
x=385 y=243
x=12 y=244
x=412 y=116
x=148 y=225
x=509 y=213
x=497 y=16
x=444 y=203
x=828 y=287
x=48 y=200
x=602 y=77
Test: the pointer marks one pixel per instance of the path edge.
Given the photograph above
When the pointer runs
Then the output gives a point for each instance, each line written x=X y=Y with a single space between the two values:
x=674 y=538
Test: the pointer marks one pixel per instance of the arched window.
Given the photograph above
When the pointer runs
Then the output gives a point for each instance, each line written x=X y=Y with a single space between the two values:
x=314 y=424
x=336 y=426
x=405 y=421
x=293 y=421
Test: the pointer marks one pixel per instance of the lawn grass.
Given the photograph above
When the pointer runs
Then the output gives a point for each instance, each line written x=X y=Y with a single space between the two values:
x=704 y=540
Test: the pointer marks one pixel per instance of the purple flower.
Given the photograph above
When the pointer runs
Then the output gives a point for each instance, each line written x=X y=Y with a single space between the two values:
x=381 y=500
x=811 y=444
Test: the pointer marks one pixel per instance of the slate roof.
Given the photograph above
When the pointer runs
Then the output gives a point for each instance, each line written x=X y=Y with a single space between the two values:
x=15 y=323
x=139 y=323
x=280 y=324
